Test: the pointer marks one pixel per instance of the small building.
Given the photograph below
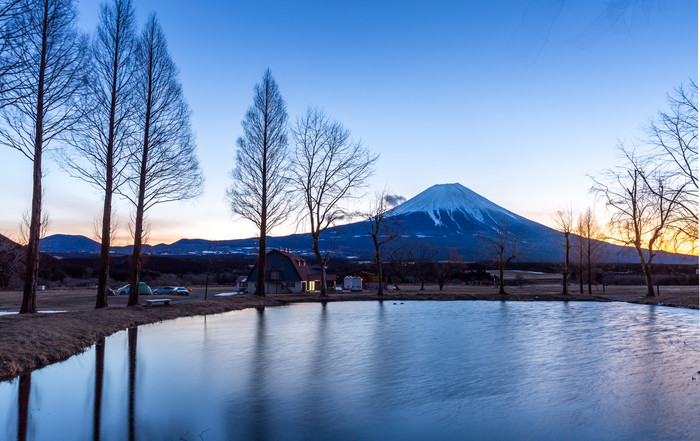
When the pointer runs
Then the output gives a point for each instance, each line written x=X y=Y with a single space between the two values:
x=241 y=283
x=286 y=272
x=352 y=283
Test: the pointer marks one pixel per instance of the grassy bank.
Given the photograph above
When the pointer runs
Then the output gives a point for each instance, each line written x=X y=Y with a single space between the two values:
x=32 y=341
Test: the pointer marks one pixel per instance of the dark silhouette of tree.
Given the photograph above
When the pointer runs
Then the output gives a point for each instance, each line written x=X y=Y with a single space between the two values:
x=505 y=243
x=564 y=222
x=12 y=31
x=260 y=178
x=101 y=144
x=673 y=138
x=642 y=206
x=588 y=245
x=422 y=254
x=328 y=169
x=382 y=228
x=165 y=166
x=52 y=55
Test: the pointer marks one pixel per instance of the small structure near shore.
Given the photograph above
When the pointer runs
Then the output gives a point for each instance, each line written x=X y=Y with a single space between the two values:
x=352 y=283
x=286 y=272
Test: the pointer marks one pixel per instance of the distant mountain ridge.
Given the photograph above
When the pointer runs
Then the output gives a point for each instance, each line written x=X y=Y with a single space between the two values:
x=449 y=218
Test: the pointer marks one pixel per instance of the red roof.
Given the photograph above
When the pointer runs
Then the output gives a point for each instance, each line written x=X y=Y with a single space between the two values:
x=299 y=264
x=302 y=268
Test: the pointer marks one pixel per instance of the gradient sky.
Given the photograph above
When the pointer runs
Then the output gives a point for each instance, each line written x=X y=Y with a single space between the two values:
x=517 y=100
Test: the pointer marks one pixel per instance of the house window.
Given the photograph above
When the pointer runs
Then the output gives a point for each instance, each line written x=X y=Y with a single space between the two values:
x=274 y=275
x=281 y=264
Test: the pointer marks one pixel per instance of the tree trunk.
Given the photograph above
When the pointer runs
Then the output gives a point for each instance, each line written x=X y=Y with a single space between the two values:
x=103 y=276
x=580 y=276
x=321 y=263
x=501 y=285
x=588 y=268
x=646 y=269
x=32 y=264
x=260 y=279
x=565 y=282
x=378 y=263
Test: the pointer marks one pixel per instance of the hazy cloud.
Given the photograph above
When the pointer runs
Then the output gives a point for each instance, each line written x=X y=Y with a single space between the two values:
x=392 y=200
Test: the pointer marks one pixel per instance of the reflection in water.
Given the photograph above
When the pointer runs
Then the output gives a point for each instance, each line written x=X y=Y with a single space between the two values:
x=258 y=398
x=99 y=377
x=25 y=386
x=133 y=333
x=368 y=370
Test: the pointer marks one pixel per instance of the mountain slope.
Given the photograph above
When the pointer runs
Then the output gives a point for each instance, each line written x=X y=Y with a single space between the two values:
x=444 y=219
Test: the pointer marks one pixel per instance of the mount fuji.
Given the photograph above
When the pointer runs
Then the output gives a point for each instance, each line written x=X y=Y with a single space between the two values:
x=448 y=218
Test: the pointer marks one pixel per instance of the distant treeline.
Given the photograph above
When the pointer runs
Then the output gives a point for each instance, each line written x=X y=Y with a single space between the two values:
x=224 y=269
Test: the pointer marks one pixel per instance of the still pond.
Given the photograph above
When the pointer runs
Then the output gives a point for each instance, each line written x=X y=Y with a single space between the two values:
x=377 y=371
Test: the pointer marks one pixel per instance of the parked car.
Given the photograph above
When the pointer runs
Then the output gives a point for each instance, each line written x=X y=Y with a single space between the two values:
x=165 y=290
x=110 y=292
x=144 y=290
x=182 y=291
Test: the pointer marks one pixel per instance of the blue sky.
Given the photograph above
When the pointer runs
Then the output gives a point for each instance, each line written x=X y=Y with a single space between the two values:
x=517 y=100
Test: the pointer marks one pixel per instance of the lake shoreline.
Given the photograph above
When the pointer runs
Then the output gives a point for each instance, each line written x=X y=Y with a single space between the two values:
x=32 y=341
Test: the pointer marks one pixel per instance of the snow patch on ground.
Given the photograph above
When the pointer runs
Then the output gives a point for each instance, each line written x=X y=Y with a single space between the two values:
x=228 y=294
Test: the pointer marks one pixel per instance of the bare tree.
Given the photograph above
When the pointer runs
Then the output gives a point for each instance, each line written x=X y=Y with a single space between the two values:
x=505 y=243
x=642 y=207
x=328 y=169
x=260 y=178
x=12 y=31
x=422 y=254
x=588 y=245
x=101 y=144
x=564 y=222
x=165 y=166
x=673 y=137
x=382 y=228
x=52 y=54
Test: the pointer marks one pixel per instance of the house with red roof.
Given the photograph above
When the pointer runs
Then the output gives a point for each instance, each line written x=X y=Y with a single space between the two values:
x=286 y=272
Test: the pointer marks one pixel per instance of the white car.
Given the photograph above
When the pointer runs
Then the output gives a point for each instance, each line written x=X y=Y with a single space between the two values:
x=181 y=291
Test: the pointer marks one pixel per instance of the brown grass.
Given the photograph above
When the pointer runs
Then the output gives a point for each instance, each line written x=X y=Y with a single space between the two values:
x=31 y=341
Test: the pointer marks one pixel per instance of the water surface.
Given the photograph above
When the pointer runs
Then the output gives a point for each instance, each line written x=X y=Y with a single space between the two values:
x=369 y=370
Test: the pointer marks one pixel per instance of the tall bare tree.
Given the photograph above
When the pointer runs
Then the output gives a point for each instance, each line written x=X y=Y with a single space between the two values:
x=564 y=222
x=642 y=206
x=505 y=243
x=102 y=141
x=260 y=177
x=673 y=137
x=382 y=228
x=165 y=166
x=52 y=54
x=328 y=169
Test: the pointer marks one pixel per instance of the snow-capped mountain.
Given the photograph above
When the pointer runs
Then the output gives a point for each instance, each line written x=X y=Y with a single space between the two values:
x=443 y=200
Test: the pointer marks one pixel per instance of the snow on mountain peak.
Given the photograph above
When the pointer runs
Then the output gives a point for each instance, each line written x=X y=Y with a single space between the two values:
x=451 y=198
